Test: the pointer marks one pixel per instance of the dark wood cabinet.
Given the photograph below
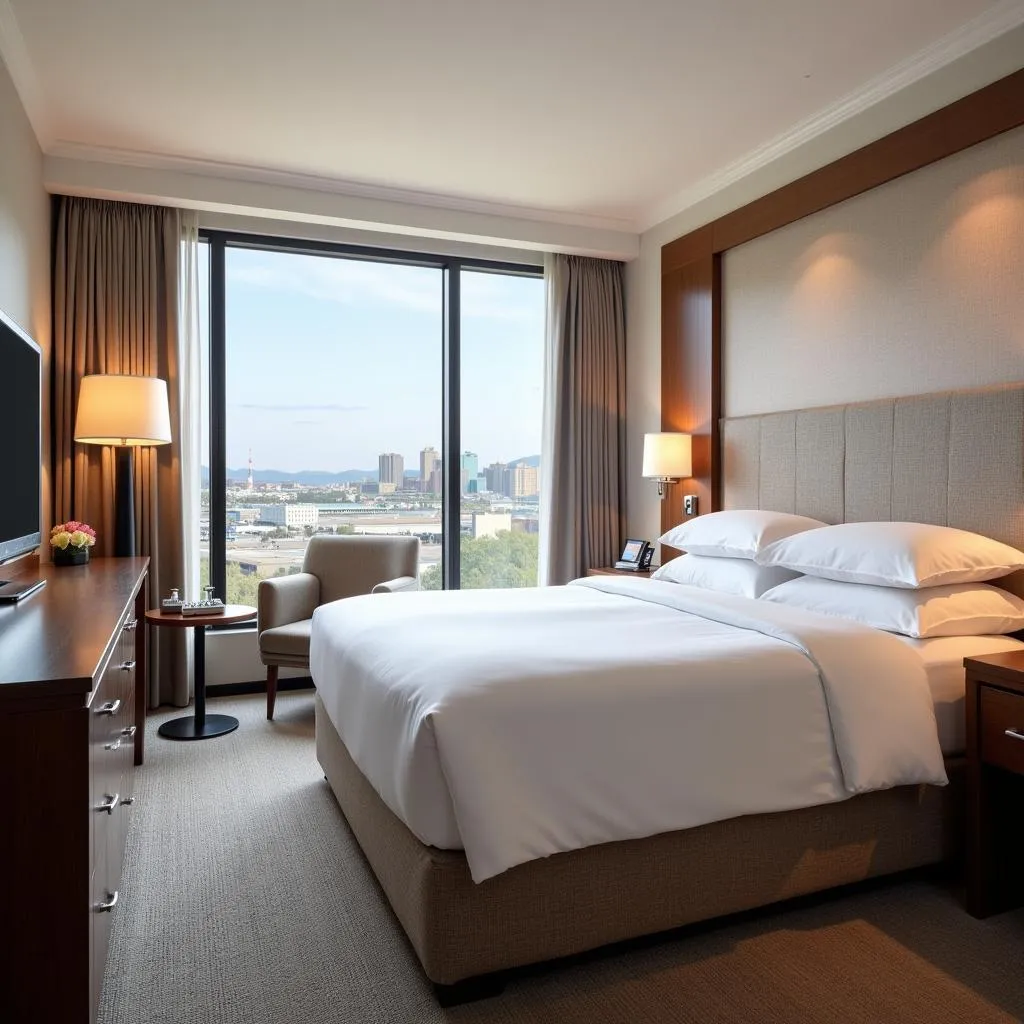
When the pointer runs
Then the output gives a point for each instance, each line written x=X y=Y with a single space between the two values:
x=72 y=707
x=995 y=766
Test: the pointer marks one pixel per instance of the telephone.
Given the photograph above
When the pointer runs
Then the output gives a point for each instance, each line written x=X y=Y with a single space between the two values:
x=636 y=556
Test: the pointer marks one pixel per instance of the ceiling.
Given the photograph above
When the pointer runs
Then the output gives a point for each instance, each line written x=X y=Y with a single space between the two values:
x=603 y=110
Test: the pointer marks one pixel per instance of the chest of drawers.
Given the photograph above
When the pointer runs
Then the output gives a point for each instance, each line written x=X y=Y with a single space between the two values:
x=72 y=701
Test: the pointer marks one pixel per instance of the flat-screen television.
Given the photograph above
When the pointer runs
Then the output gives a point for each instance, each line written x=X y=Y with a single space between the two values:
x=20 y=448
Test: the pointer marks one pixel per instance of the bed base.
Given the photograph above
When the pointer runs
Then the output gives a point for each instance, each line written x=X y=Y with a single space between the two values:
x=572 y=902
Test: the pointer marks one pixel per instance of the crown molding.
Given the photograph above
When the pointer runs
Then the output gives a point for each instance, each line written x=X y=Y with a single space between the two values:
x=334 y=186
x=1003 y=17
x=14 y=54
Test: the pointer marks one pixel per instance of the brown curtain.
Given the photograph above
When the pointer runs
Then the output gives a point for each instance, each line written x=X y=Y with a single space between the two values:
x=584 y=448
x=116 y=311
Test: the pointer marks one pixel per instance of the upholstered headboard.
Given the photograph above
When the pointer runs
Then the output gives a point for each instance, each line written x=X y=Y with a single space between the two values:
x=955 y=458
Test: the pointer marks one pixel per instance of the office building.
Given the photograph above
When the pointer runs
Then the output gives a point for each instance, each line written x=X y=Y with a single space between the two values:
x=468 y=470
x=391 y=469
x=522 y=481
x=429 y=460
x=378 y=488
x=289 y=515
x=494 y=476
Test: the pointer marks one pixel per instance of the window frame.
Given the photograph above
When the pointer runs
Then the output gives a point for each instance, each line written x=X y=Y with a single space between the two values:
x=219 y=242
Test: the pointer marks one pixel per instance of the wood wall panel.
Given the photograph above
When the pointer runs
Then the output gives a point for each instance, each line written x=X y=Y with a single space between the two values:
x=980 y=116
x=691 y=282
x=690 y=377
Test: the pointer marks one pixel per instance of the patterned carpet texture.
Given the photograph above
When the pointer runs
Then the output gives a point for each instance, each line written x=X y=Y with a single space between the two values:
x=245 y=900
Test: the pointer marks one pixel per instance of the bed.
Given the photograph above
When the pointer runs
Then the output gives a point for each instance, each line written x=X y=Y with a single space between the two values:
x=561 y=885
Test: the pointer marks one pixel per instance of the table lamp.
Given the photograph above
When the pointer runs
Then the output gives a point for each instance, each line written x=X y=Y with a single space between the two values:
x=125 y=412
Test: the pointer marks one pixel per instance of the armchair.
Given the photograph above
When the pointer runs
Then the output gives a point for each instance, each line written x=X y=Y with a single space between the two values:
x=333 y=568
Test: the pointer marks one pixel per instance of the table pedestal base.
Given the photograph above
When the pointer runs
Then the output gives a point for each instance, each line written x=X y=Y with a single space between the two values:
x=191 y=729
x=200 y=726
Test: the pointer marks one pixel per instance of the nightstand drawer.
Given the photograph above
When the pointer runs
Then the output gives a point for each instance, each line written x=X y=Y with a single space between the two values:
x=1002 y=720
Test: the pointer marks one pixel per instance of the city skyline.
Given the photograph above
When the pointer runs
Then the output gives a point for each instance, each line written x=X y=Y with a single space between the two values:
x=241 y=472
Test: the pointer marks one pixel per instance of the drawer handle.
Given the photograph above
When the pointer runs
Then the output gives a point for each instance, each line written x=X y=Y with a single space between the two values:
x=109 y=803
x=107 y=905
x=128 y=731
x=110 y=708
x=128 y=665
x=1014 y=734
x=130 y=625
x=116 y=745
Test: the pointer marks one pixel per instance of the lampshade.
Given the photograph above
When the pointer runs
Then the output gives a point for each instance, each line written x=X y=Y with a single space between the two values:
x=122 y=410
x=667 y=456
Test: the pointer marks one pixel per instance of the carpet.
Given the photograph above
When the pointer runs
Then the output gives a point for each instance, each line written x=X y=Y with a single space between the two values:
x=245 y=900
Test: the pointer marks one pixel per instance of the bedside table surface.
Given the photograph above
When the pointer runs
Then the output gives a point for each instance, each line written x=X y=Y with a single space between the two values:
x=1005 y=668
x=610 y=570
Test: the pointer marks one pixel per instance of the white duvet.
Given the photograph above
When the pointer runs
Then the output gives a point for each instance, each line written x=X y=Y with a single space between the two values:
x=517 y=724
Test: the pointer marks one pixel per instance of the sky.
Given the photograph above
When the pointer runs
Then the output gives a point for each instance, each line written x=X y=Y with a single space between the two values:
x=331 y=362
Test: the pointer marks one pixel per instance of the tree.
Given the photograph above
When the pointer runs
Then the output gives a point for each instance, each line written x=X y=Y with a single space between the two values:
x=242 y=588
x=507 y=560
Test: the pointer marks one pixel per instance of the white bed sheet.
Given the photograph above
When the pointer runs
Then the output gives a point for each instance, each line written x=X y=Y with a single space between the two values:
x=943 y=658
x=515 y=724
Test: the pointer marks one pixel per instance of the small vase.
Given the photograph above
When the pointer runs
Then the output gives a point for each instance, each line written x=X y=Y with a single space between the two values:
x=70 y=556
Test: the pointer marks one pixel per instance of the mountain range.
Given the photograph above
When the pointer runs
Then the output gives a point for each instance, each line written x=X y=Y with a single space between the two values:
x=324 y=478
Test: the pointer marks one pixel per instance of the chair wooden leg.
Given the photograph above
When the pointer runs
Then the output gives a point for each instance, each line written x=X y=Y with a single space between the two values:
x=271 y=690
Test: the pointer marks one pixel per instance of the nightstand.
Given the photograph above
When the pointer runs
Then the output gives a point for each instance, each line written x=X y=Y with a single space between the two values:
x=995 y=782
x=610 y=570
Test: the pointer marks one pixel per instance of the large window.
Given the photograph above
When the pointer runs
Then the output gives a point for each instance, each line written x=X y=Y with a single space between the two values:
x=502 y=365
x=359 y=392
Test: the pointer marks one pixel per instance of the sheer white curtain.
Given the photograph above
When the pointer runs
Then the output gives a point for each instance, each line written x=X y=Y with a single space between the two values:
x=191 y=396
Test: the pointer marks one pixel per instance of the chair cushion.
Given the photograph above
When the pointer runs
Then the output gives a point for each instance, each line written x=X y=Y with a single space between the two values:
x=290 y=641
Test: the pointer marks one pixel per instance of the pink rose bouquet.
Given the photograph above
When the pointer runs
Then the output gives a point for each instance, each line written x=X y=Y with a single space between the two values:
x=72 y=534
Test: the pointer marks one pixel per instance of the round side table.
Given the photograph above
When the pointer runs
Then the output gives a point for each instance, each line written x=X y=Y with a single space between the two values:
x=199 y=726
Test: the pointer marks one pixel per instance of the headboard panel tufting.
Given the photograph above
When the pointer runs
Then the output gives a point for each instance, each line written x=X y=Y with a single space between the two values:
x=955 y=458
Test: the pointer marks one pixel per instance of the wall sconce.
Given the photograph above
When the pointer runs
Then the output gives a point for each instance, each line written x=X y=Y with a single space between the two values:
x=667 y=458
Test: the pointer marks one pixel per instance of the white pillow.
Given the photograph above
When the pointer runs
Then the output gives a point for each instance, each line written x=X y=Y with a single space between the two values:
x=958 y=609
x=738 y=534
x=726 y=575
x=894 y=555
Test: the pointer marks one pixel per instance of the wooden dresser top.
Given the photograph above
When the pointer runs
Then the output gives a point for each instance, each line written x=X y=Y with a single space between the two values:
x=53 y=641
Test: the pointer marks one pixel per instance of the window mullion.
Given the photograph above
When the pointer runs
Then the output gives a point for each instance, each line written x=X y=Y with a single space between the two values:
x=451 y=432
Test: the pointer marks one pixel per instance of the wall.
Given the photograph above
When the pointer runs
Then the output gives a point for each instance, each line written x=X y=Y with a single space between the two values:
x=643 y=276
x=912 y=287
x=24 y=236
